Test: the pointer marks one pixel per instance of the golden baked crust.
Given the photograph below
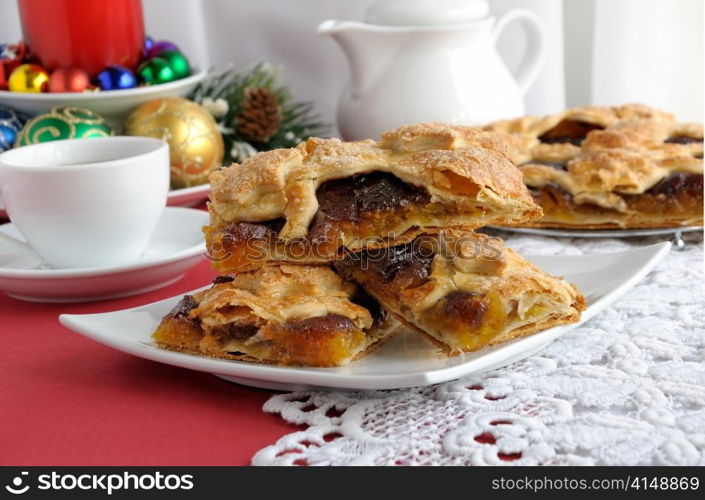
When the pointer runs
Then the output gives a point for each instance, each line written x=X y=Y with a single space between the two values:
x=425 y=175
x=289 y=315
x=609 y=167
x=464 y=290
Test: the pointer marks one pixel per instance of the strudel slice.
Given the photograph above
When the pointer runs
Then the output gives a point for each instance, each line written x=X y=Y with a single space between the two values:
x=307 y=203
x=626 y=166
x=463 y=290
x=285 y=315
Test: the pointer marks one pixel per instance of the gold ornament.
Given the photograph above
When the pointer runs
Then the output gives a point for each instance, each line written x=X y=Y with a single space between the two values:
x=28 y=78
x=195 y=144
x=261 y=115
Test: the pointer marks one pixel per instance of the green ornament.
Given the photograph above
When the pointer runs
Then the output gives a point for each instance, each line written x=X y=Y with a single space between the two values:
x=155 y=71
x=63 y=122
x=177 y=62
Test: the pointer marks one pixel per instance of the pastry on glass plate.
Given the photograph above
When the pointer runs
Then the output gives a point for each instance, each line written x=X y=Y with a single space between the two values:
x=306 y=203
x=284 y=315
x=628 y=166
x=463 y=290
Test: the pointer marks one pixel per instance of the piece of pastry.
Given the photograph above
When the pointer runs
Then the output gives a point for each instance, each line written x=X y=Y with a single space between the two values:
x=463 y=290
x=307 y=203
x=285 y=315
x=628 y=166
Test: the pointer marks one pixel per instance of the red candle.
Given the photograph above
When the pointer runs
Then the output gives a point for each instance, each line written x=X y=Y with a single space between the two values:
x=85 y=34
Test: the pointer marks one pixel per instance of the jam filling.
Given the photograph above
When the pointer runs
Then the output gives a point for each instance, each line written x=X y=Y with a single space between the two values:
x=245 y=231
x=569 y=131
x=236 y=331
x=671 y=187
x=466 y=307
x=554 y=191
x=352 y=198
x=222 y=278
x=349 y=199
x=330 y=323
x=379 y=315
x=407 y=265
x=558 y=165
x=183 y=308
x=683 y=139
x=679 y=183
x=320 y=325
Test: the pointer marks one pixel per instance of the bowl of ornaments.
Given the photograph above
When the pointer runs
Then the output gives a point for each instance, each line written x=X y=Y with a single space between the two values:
x=31 y=88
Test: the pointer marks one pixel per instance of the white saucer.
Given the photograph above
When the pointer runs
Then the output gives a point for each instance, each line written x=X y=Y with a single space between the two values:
x=406 y=360
x=188 y=197
x=176 y=246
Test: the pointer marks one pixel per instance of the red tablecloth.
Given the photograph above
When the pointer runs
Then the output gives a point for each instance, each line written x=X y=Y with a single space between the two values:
x=66 y=400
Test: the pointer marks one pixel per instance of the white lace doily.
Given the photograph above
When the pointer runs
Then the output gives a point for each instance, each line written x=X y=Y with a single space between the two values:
x=626 y=388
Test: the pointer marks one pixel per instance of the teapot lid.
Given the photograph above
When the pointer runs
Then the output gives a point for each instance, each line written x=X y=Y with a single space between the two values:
x=426 y=12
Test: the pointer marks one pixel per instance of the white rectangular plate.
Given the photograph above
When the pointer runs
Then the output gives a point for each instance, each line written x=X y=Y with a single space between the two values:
x=406 y=360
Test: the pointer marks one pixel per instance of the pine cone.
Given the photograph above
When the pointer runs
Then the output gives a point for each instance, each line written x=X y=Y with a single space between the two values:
x=261 y=115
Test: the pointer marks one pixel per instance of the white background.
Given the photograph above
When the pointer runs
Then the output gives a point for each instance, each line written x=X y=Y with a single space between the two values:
x=599 y=51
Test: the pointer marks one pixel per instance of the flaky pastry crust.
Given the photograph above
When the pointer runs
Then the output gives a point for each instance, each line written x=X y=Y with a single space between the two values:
x=289 y=315
x=626 y=166
x=462 y=177
x=464 y=290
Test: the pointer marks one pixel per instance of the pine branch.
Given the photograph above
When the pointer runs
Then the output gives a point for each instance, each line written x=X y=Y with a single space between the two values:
x=298 y=119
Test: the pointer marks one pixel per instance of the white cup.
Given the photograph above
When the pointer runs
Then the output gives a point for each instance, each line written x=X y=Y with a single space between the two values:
x=86 y=202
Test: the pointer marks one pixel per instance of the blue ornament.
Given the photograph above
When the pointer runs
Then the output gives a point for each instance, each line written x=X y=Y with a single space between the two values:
x=11 y=124
x=148 y=44
x=116 y=78
x=161 y=46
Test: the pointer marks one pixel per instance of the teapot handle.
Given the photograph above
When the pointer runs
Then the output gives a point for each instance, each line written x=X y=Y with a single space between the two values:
x=535 y=48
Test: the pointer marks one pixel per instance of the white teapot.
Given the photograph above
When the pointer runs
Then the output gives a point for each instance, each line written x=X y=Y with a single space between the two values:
x=426 y=60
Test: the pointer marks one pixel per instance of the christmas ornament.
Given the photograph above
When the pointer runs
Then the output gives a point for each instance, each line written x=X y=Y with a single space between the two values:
x=63 y=122
x=7 y=51
x=195 y=144
x=28 y=78
x=254 y=120
x=68 y=80
x=116 y=78
x=161 y=46
x=11 y=124
x=177 y=62
x=11 y=56
x=155 y=71
x=148 y=44
x=260 y=117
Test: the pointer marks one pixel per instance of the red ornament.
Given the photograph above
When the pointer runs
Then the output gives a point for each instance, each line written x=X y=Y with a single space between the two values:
x=90 y=34
x=69 y=80
x=8 y=64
